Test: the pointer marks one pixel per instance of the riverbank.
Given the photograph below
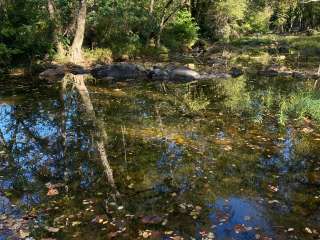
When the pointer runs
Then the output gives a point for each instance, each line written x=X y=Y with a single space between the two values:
x=269 y=55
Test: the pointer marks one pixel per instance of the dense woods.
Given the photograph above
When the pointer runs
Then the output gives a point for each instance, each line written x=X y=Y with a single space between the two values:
x=47 y=29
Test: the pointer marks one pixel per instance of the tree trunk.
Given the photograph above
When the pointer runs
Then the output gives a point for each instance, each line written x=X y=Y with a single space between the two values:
x=76 y=48
x=100 y=132
x=151 y=7
x=56 y=30
x=158 y=37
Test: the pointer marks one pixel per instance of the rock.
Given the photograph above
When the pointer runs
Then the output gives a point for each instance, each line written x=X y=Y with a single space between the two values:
x=120 y=71
x=284 y=49
x=78 y=71
x=236 y=72
x=158 y=74
x=52 y=74
x=191 y=66
x=215 y=76
x=269 y=73
x=184 y=74
x=298 y=75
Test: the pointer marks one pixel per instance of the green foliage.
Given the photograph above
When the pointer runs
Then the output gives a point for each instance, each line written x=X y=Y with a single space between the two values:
x=195 y=104
x=182 y=31
x=258 y=21
x=98 y=55
x=307 y=45
x=158 y=53
x=300 y=105
x=237 y=97
x=24 y=32
x=225 y=17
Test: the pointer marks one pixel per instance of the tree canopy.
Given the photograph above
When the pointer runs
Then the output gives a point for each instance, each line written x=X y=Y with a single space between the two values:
x=37 y=29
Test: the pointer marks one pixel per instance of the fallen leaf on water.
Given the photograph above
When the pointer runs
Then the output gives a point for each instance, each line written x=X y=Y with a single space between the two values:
x=239 y=228
x=52 y=229
x=227 y=148
x=112 y=234
x=99 y=219
x=308 y=230
x=307 y=130
x=24 y=233
x=273 y=188
x=75 y=223
x=273 y=201
x=176 y=238
x=52 y=192
x=151 y=220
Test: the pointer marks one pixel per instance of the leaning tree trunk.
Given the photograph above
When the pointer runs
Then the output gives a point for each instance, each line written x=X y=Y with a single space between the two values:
x=76 y=48
x=100 y=132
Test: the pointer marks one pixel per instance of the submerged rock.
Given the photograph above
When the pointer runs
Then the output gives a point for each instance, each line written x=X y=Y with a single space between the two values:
x=184 y=74
x=236 y=72
x=52 y=74
x=119 y=71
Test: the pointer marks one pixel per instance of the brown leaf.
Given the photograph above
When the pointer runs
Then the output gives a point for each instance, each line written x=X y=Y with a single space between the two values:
x=99 y=219
x=52 y=192
x=239 y=228
x=151 y=220
x=112 y=234
x=52 y=229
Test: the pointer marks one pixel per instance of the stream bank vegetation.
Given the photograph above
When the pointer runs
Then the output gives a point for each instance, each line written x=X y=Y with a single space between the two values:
x=35 y=31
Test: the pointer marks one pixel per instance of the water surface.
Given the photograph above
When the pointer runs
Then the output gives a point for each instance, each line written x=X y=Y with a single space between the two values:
x=204 y=160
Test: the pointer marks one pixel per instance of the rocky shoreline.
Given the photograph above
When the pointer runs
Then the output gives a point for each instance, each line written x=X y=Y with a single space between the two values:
x=125 y=71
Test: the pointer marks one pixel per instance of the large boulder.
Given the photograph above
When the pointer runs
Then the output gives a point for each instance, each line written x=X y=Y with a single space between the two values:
x=52 y=74
x=209 y=76
x=268 y=73
x=158 y=74
x=119 y=71
x=184 y=74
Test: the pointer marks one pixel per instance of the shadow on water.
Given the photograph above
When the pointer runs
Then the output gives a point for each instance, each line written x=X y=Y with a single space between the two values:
x=204 y=160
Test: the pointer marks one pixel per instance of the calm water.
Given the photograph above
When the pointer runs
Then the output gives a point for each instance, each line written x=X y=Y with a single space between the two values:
x=156 y=161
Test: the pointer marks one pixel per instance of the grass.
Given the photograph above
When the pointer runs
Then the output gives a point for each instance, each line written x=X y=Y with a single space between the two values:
x=98 y=55
x=300 y=105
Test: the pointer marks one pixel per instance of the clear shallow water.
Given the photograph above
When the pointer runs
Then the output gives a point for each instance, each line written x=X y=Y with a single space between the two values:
x=161 y=161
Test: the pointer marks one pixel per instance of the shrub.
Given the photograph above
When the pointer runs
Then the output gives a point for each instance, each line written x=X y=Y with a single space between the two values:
x=258 y=21
x=182 y=32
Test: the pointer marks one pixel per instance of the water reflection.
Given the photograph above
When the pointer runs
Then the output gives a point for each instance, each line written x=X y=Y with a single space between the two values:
x=201 y=160
x=237 y=218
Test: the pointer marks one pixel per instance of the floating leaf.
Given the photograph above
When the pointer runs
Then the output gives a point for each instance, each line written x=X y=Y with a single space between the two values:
x=24 y=233
x=151 y=220
x=52 y=192
x=52 y=229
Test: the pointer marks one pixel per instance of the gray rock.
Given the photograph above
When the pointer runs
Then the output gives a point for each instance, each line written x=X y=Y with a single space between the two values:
x=78 y=70
x=52 y=74
x=298 y=75
x=120 y=71
x=284 y=49
x=215 y=76
x=184 y=74
x=158 y=74
x=269 y=73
